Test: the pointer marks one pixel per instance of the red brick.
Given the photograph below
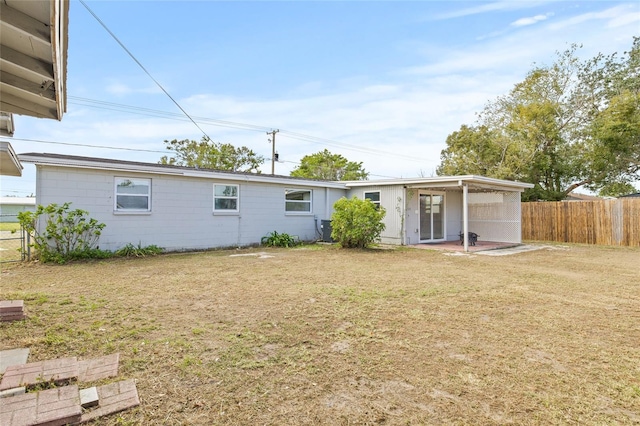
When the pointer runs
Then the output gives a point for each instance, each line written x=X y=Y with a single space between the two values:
x=11 y=306
x=98 y=368
x=51 y=407
x=66 y=409
x=18 y=402
x=25 y=416
x=114 y=397
x=58 y=370
x=12 y=317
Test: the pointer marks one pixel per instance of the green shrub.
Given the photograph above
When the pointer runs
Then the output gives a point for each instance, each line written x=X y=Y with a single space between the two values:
x=132 y=251
x=279 y=240
x=356 y=223
x=65 y=234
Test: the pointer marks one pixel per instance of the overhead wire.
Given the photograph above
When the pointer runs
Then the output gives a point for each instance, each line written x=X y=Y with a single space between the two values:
x=235 y=125
x=221 y=123
x=142 y=67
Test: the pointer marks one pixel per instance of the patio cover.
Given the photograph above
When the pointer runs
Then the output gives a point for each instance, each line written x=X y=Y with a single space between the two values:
x=467 y=183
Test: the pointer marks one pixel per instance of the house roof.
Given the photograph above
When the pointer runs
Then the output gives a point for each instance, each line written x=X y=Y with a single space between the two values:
x=479 y=183
x=9 y=162
x=576 y=196
x=18 y=201
x=78 y=162
x=33 y=66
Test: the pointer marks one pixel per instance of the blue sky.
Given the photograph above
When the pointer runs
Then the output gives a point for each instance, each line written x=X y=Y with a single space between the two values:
x=379 y=82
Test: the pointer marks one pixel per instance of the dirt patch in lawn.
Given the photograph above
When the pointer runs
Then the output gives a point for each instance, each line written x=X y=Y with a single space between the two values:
x=321 y=335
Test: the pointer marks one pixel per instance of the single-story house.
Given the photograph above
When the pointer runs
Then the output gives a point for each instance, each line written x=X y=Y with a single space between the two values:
x=185 y=208
x=11 y=206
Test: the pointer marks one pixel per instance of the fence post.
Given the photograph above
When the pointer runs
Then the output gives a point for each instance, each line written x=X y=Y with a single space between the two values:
x=617 y=221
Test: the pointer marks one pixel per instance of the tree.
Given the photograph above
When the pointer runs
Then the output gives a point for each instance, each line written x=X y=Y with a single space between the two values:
x=356 y=223
x=614 y=149
x=571 y=124
x=61 y=234
x=327 y=166
x=211 y=155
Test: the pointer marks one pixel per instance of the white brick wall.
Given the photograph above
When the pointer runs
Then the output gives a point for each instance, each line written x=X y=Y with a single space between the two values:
x=181 y=216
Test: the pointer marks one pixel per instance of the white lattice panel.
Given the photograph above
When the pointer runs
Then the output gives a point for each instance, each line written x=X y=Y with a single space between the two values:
x=495 y=216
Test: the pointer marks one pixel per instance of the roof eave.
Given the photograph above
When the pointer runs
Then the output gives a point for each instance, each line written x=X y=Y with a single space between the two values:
x=149 y=168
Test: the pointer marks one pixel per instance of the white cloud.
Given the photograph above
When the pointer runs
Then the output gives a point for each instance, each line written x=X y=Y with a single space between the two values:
x=490 y=7
x=522 y=22
x=618 y=15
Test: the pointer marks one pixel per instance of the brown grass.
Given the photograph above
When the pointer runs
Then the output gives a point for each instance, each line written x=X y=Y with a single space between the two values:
x=320 y=335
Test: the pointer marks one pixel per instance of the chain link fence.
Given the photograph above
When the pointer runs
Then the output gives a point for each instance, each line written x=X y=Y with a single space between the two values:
x=14 y=241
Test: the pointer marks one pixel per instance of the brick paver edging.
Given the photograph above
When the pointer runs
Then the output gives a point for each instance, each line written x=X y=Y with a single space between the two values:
x=52 y=407
x=113 y=398
x=58 y=370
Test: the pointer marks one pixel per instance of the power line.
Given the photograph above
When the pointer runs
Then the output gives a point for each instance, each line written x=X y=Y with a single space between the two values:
x=143 y=68
x=235 y=125
x=138 y=150
x=222 y=123
x=87 y=145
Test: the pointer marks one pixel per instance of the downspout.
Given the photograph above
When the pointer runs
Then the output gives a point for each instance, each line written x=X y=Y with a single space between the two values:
x=465 y=216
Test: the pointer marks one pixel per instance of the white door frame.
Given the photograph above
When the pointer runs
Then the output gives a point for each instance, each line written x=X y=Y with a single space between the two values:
x=444 y=216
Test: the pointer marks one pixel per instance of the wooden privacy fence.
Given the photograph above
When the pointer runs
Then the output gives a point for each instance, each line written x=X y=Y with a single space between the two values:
x=605 y=222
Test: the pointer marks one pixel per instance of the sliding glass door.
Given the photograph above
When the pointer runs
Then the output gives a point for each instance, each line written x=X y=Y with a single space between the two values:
x=432 y=217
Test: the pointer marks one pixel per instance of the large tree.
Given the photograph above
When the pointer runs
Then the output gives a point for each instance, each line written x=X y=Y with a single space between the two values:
x=327 y=166
x=571 y=124
x=212 y=155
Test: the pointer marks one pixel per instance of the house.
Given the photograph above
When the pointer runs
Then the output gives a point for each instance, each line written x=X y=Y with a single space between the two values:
x=11 y=206
x=182 y=208
x=442 y=208
x=185 y=208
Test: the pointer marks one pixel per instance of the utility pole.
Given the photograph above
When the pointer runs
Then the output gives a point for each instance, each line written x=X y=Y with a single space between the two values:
x=273 y=150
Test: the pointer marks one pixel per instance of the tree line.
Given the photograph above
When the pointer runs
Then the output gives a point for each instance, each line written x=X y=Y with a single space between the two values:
x=574 y=123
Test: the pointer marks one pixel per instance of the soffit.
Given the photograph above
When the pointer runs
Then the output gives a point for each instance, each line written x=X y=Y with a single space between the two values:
x=33 y=57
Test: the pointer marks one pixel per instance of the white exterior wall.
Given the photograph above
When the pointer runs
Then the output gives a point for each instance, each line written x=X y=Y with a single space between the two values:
x=452 y=212
x=392 y=200
x=182 y=216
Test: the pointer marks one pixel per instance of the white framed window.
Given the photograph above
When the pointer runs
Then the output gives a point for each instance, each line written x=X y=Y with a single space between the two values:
x=374 y=197
x=297 y=201
x=132 y=194
x=226 y=198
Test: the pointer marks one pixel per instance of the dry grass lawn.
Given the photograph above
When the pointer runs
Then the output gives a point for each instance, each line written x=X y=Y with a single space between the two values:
x=321 y=335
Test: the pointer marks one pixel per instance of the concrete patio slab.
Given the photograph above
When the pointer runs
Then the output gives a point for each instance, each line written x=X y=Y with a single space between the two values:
x=10 y=357
x=512 y=250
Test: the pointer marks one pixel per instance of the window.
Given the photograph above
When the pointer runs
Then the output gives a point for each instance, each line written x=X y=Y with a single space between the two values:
x=133 y=194
x=297 y=201
x=225 y=198
x=374 y=196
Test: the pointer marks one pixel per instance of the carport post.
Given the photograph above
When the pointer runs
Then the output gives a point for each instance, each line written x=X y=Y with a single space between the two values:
x=465 y=216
